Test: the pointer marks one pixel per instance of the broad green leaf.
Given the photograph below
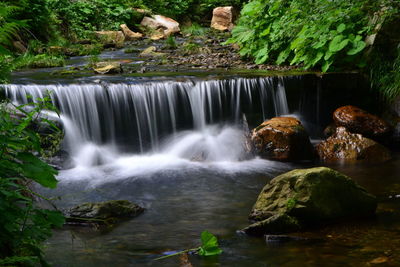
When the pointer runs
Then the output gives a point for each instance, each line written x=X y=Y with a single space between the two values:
x=341 y=28
x=338 y=43
x=358 y=46
x=209 y=245
x=35 y=169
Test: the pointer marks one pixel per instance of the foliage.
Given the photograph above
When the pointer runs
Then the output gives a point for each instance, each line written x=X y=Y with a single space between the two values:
x=322 y=33
x=194 y=30
x=385 y=77
x=23 y=225
x=170 y=42
x=209 y=247
x=38 y=61
x=78 y=19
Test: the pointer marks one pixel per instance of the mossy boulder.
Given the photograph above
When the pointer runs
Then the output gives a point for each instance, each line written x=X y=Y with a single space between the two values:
x=108 y=210
x=305 y=198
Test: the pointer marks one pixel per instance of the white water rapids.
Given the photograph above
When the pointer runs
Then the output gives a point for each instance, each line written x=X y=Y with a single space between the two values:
x=114 y=131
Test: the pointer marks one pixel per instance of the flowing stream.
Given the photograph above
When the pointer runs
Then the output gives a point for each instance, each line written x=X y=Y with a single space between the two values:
x=176 y=147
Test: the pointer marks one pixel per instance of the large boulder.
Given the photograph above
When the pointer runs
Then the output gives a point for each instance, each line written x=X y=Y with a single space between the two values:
x=161 y=24
x=130 y=35
x=223 y=18
x=113 y=209
x=344 y=146
x=306 y=198
x=111 y=38
x=282 y=138
x=359 y=121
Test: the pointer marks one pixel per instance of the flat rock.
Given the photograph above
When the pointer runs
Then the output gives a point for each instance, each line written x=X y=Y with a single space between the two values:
x=107 y=68
x=113 y=209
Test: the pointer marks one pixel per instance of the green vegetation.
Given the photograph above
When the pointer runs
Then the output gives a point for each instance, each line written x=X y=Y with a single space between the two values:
x=321 y=34
x=24 y=225
x=209 y=247
x=38 y=61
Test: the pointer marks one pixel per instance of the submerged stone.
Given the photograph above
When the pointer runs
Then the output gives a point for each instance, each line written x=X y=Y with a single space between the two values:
x=113 y=209
x=305 y=198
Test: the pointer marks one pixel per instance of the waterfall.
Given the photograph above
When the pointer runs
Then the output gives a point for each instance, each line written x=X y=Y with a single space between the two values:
x=178 y=117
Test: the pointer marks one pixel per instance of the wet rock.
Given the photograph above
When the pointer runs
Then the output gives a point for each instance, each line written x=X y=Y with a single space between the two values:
x=130 y=35
x=306 y=198
x=359 y=121
x=151 y=52
x=113 y=209
x=223 y=18
x=282 y=138
x=111 y=38
x=344 y=146
x=107 y=68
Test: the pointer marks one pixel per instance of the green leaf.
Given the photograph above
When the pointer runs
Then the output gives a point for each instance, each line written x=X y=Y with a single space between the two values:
x=209 y=245
x=341 y=28
x=358 y=46
x=37 y=170
x=338 y=43
x=326 y=65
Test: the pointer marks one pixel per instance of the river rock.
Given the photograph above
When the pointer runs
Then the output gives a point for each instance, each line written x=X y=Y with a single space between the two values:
x=359 y=121
x=151 y=52
x=282 y=138
x=344 y=146
x=111 y=38
x=222 y=19
x=112 y=209
x=107 y=68
x=130 y=35
x=306 y=198
x=164 y=25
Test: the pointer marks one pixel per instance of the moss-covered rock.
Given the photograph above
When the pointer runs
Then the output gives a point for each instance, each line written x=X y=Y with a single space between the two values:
x=308 y=197
x=113 y=209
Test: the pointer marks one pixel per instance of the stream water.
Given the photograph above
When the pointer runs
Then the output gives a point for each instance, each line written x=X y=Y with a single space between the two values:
x=175 y=147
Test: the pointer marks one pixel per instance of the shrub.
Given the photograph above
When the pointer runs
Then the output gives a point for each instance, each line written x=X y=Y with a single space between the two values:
x=23 y=225
x=323 y=34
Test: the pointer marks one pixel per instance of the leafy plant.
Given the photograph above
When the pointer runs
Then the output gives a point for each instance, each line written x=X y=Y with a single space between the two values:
x=38 y=61
x=315 y=34
x=170 y=42
x=209 y=247
x=23 y=225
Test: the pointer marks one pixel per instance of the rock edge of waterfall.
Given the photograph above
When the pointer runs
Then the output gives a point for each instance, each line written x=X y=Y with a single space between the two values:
x=308 y=198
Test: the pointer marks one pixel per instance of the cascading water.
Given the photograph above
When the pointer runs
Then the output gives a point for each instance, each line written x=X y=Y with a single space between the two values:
x=155 y=124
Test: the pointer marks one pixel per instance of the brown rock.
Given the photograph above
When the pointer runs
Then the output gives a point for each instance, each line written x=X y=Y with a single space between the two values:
x=359 y=121
x=111 y=38
x=344 y=146
x=130 y=35
x=282 y=138
x=223 y=18
x=164 y=25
